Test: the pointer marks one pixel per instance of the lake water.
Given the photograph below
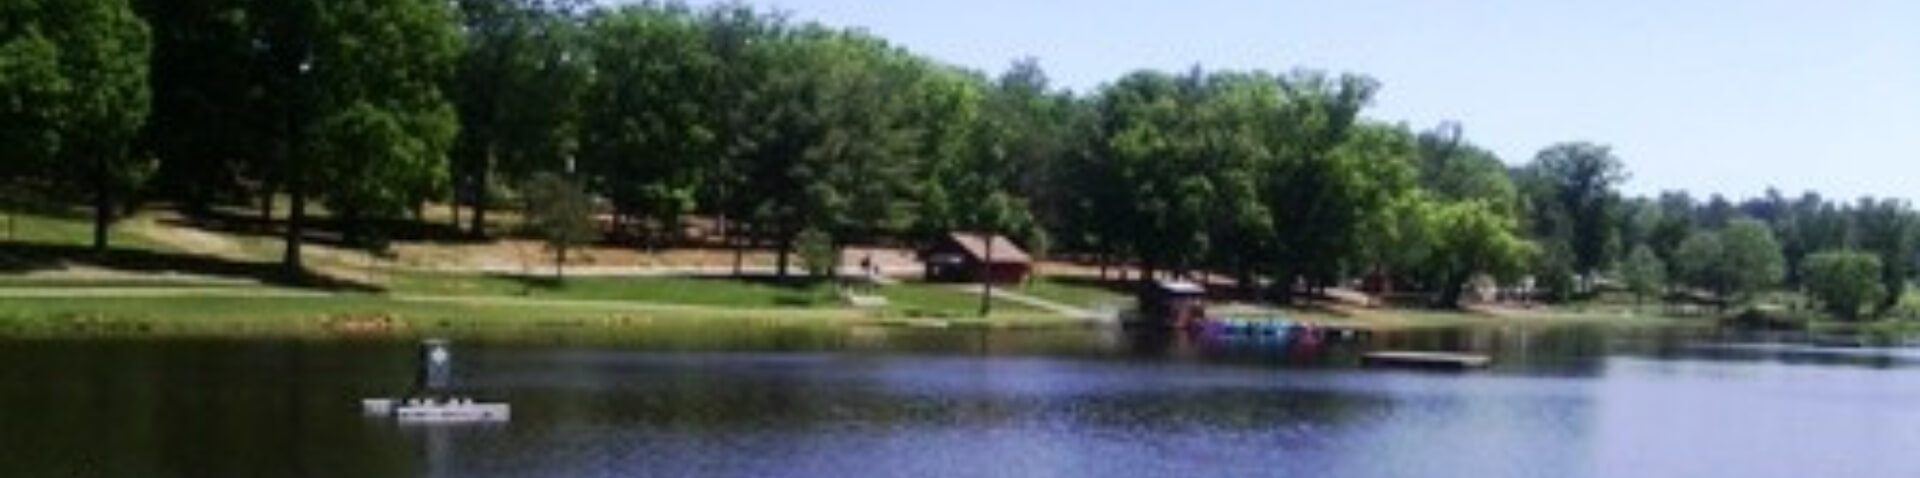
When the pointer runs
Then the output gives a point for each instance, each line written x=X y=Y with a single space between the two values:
x=869 y=401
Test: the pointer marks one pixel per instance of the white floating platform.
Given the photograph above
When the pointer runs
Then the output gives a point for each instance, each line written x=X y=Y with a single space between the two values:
x=1422 y=359
x=437 y=410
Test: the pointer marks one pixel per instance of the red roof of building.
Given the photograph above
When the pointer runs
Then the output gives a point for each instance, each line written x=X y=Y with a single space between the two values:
x=1004 y=250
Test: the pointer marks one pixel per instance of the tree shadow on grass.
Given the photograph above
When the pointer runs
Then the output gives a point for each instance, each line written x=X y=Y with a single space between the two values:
x=26 y=257
x=529 y=283
x=1128 y=287
x=319 y=229
x=795 y=291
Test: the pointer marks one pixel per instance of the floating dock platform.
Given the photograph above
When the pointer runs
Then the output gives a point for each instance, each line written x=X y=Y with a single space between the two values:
x=430 y=402
x=1425 y=360
x=437 y=410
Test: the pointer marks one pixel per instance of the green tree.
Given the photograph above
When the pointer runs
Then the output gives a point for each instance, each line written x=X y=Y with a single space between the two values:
x=838 y=154
x=1676 y=224
x=817 y=253
x=75 y=95
x=1890 y=230
x=382 y=125
x=1553 y=268
x=1644 y=273
x=561 y=212
x=31 y=84
x=1453 y=168
x=281 y=36
x=1580 y=180
x=649 y=136
x=739 y=39
x=517 y=89
x=1697 y=261
x=1383 y=160
x=367 y=115
x=1845 y=282
x=1318 y=198
x=1752 y=258
x=1472 y=238
x=1734 y=263
x=207 y=127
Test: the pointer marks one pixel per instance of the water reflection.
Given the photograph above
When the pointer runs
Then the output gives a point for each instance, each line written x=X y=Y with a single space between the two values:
x=883 y=401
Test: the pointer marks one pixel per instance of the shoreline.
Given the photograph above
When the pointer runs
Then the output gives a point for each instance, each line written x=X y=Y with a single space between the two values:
x=269 y=313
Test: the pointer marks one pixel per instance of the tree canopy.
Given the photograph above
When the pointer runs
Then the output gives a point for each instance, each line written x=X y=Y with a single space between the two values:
x=74 y=96
x=1845 y=282
x=766 y=128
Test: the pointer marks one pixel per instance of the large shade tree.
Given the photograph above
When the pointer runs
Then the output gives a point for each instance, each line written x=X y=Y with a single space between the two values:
x=73 y=97
x=1846 y=283
x=648 y=135
x=1577 y=185
x=371 y=122
x=517 y=89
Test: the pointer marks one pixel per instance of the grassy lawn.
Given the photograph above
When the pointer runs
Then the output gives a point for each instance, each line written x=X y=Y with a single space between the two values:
x=492 y=306
x=68 y=230
x=331 y=315
x=911 y=299
x=722 y=292
x=322 y=316
x=1074 y=293
x=920 y=299
x=9 y=281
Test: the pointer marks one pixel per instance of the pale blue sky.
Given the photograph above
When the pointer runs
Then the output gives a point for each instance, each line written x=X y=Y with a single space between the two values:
x=1709 y=96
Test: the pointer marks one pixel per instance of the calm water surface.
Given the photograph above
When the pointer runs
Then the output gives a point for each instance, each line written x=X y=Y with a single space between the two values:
x=907 y=402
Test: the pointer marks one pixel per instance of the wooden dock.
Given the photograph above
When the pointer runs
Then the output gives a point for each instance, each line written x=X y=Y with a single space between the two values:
x=1427 y=360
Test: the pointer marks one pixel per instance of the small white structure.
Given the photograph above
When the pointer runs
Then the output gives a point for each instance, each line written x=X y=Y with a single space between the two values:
x=437 y=410
x=429 y=403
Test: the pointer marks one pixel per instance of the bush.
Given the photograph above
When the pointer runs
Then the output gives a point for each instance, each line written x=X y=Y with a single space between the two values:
x=562 y=213
x=816 y=251
x=1843 y=281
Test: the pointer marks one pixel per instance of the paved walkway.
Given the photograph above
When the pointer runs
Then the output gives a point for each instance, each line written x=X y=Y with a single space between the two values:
x=1044 y=304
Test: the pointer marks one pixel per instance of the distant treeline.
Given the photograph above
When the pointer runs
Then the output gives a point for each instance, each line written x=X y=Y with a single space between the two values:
x=780 y=127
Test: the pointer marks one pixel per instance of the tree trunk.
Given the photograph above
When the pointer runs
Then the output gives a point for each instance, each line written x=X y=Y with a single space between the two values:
x=739 y=241
x=1896 y=283
x=453 y=207
x=296 y=219
x=559 y=262
x=1243 y=279
x=266 y=207
x=986 y=279
x=481 y=194
x=786 y=248
x=1102 y=259
x=1282 y=286
x=102 y=203
x=347 y=221
x=1454 y=288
